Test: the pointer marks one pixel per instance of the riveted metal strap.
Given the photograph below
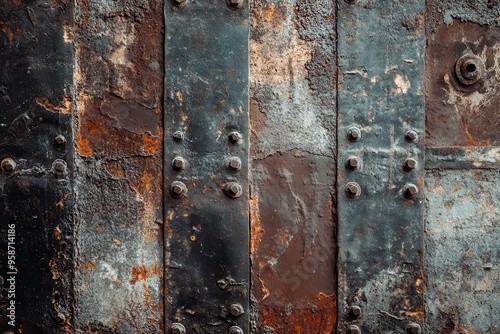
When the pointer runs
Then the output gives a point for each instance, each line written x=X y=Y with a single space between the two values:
x=206 y=166
x=381 y=165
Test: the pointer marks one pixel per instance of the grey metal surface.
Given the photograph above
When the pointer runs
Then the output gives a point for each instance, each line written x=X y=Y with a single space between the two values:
x=207 y=228
x=381 y=50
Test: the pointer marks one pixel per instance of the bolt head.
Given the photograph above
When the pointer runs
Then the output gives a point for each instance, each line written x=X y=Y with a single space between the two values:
x=235 y=330
x=177 y=328
x=234 y=4
x=236 y=309
x=353 y=329
x=469 y=69
x=59 y=166
x=8 y=165
x=178 y=189
x=356 y=311
x=353 y=190
x=413 y=328
x=410 y=190
x=234 y=137
x=179 y=2
x=178 y=163
x=60 y=140
x=178 y=135
x=411 y=136
x=410 y=164
x=233 y=189
x=353 y=163
x=235 y=164
x=354 y=134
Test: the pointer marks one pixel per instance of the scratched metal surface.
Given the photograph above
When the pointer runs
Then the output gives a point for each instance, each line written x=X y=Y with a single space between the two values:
x=381 y=51
x=35 y=106
x=206 y=232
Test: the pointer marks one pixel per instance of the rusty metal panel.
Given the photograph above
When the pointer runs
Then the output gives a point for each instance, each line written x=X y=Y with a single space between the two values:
x=36 y=231
x=206 y=167
x=293 y=118
x=119 y=207
x=462 y=290
x=380 y=166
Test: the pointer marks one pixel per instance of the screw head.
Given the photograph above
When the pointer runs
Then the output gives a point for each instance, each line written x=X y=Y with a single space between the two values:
x=353 y=190
x=410 y=191
x=353 y=163
x=179 y=3
x=354 y=134
x=8 y=165
x=234 y=137
x=235 y=330
x=234 y=4
x=178 y=163
x=469 y=69
x=178 y=135
x=178 y=189
x=413 y=328
x=411 y=136
x=177 y=328
x=410 y=165
x=356 y=311
x=60 y=140
x=353 y=329
x=235 y=164
x=236 y=309
x=59 y=166
x=233 y=189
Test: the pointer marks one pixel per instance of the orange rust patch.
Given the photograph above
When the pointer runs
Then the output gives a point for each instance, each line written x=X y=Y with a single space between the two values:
x=151 y=143
x=418 y=315
x=84 y=146
x=419 y=284
x=142 y=273
x=64 y=108
x=90 y=266
x=257 y=230
x=116 y=169
x=57 y=232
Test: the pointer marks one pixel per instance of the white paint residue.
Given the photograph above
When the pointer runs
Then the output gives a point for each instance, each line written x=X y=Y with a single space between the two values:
x=402 y=85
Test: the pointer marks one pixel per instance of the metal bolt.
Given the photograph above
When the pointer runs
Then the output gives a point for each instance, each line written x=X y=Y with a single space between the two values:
x=178 y=328
x=235 y=164
x=234 y=137
x=354 y=134
x=410 y=190
x=234 y=4
x=236 y=309
x=59 y=166
x=178 y=163
x=60 y=140
x=356 y=311
x=410 y=165
x=353 y=190
x=178 y=135
x=411 y=136
x=178 y=189
x=469 y=69
x=8 y=165
x=233 y=189
x=413 y=328
x=235 y=330
x=179 y=3
x=353 y=163
x=353 y=329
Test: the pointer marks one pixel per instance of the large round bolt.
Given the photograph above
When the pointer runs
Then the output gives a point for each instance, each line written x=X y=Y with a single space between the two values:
x=413 y=328
x=179 y=3
x=178 y=135
x=353 y=190
x=469 y=69
x=60 y=140
x=354 y=134
x=410 y=165
x=59 y=166
x=178 y=163
x=177 y=328
x=353 y=163
x=234 y=137
x=411 y=136
x=233 y=189
x=235 y=330
x=8 y=165
x=234 y=4
x=355 y=311
x=235 y=164
x=178 y=189
x=353 y=329
x=236 y=309
x=410 y=191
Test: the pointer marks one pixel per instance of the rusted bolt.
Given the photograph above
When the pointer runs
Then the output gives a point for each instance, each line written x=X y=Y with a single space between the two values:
x=469 y=69
x=410 y=190
x=59 y=166
x=413 y=328
x=410 y=165
x=233 y=189
x=178 y=163
x=353 y=190
x=411 y=136
x=353 y=329
x=356 y=311
x=235 y=164
x=178 y=189
x=60 y=140
x=236 y=309
x=234 y=4
x=179 y=3
x=222 y=283
x=353 y=163
x=178 y=135
x=235 y=330
x=234 y=137
x=354 y=134
x=178 y=328
x=8 y=165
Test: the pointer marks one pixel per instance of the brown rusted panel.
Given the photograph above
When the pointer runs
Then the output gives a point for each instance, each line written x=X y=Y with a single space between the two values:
x=293 y=119
x=119 y=166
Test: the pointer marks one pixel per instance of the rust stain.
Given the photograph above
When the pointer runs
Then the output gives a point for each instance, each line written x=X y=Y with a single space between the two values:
x=257 y=229
x=151 y=143
x=142 y=273
x=83 y=146
x=418 y=315
x=115 y=169
x=64 y=107
x=90 y=266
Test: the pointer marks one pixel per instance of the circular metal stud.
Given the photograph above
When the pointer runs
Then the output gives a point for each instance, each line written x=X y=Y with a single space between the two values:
x=235 y=330
x=234 y=164
x=178 y=189
x=8 y=165
x=354 y=134
x=353 y=190
x=233 y=189
x=178 y=135
x=234 y=137
x=236 y=309
x=410 y=191
x=234 y=4
x=177 y=328
x=178 y=163
x=411 y=136
x=469 y=69
x=413 y=328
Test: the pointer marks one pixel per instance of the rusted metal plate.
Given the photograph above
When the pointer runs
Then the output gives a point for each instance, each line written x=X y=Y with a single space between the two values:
x=206 y=124
x=119 y=207
x=462 y=261
x=293 y=117
x=37 y=230
x=462 y=157
x=381 y=50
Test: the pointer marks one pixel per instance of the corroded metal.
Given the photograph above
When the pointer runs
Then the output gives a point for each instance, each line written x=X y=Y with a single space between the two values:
x=207 y=232
x=380 y=233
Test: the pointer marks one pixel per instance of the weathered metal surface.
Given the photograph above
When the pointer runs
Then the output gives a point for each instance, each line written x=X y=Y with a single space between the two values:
x=465 y=157
x=381 y=50
x=206 y=230
x=293 y=117
x=36 y=223
x=119 y=76
x=462 y=253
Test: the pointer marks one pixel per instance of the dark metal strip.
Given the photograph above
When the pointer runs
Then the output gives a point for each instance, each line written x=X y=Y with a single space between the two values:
x=206 y=165
x=459 y=157
x=380 y=166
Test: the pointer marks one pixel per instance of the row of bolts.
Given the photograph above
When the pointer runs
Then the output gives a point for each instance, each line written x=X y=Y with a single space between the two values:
x=235 y=309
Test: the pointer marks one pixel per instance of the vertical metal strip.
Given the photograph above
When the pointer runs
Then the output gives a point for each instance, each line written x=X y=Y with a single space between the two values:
x=381 y=165
x=206 y=166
